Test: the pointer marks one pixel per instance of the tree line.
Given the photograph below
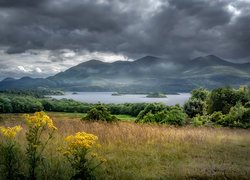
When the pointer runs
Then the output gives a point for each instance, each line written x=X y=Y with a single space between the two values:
x=225 y=106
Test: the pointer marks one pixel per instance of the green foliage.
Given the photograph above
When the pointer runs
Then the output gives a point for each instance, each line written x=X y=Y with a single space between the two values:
x=65 y=105
x=175 y=117
x=37 y=93
x=238 y=116
x=216 y=117
x=197 y=103
x=171 y=115
x=10 y=164
x=222 y=99
x=195 y=106
x=156 y=95
x=99 y=113
x=199 y=120
x=152 y=108
x=201 y=94
x=132 y=109
x=5 y=105
x=10 y=153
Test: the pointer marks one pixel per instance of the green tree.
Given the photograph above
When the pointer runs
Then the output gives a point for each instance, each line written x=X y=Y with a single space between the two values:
x=153 y=108
x=195 y=106
x=222 y=99
x=99 y=113
x=200 y=93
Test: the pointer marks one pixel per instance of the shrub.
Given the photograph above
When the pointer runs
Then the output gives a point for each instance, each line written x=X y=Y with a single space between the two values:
x=195 y=106
x=153 y=118
x=200 y=93
x=173 y=116
x=199 y=120
x=153 y=108
x=222 y=99
x=238 y=116
x=99 y=113
x=216 y=117
x=247 y=105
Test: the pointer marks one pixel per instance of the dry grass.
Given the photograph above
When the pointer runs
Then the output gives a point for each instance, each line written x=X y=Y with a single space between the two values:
x=141 y=151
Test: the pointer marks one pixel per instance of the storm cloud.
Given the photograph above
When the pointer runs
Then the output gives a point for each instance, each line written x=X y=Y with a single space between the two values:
x=175 y=29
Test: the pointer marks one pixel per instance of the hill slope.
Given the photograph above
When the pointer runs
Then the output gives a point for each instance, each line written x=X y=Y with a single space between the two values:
x=148 y=74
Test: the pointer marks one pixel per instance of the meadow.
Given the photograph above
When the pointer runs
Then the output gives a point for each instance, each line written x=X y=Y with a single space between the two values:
x=148 y=151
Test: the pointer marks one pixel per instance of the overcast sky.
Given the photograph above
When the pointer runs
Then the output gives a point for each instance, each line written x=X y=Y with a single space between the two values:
x=43 y=37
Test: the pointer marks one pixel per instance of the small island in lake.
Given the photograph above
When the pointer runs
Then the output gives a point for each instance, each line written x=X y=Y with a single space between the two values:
x=156 y=95
x=116 y=94
x=74 y=93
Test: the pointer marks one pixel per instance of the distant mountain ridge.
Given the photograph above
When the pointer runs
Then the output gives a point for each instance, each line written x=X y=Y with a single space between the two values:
x=147 y=74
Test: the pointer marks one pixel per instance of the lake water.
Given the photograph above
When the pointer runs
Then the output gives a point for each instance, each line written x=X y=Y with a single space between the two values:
x=107 y=98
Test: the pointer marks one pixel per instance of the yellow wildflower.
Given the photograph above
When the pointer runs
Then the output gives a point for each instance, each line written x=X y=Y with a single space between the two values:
x=10 y=132
x=40 y=119
x=81 y=140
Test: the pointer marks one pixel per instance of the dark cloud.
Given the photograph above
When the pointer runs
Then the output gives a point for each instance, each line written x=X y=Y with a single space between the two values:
x=21 y=3
x=178 y=29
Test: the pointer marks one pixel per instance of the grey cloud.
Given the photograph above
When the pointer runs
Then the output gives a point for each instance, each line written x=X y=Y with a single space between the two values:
x=177 y=29
x=21 y=3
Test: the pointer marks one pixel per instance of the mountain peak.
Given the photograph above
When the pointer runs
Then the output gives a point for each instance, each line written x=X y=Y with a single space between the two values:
x=8 y=79
x=211 y=56
x=210 y=60
x=26 y=78
x=147 y=59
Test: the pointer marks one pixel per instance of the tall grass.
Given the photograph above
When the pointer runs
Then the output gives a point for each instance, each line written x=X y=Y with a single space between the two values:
x=142 y=151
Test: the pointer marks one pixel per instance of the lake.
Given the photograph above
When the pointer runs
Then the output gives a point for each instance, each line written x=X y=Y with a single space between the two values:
x=107 y=98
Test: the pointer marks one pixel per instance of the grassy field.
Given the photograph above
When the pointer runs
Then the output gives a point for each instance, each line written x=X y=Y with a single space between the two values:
x=80 y=115
x=141 y=151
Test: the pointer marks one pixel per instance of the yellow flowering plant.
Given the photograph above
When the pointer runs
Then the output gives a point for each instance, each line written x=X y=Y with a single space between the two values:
x=79 y=153
x=9 y=152
x=38 y=124
x=10 y=133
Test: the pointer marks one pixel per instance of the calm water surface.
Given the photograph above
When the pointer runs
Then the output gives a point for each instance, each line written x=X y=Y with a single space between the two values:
x=107 y=98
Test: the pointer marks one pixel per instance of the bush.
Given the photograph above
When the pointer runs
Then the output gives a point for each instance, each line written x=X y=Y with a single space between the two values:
x=201 y=94
x=199 y=120
x=222 y=99
x=173 y=116
x=195 y=106
x=216 y=117
x=99 y=113
x=238 y=116
x=152 y=108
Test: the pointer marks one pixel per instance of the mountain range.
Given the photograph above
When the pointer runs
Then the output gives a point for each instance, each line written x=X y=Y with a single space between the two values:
x=147 y=74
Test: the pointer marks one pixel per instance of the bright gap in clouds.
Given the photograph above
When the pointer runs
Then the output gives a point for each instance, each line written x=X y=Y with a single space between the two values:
x=44 y=63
